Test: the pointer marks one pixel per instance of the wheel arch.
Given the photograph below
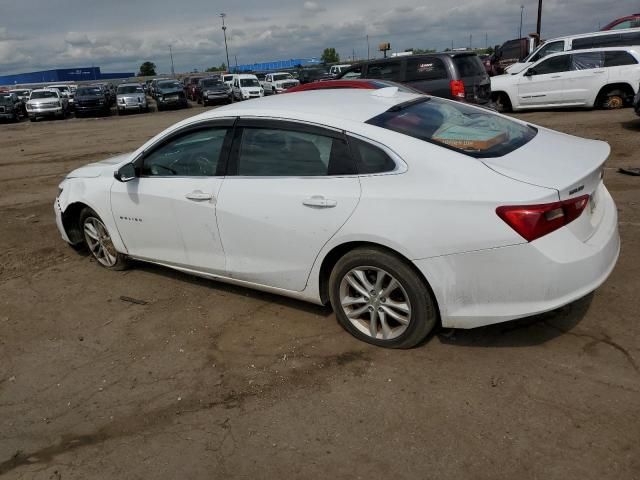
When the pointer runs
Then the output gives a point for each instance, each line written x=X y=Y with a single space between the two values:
x=497 y=93
x=338 y=251
x=71 y=221
x=610 y=87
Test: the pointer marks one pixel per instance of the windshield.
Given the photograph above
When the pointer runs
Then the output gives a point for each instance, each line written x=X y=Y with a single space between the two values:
x=473 y=131
x=228 y=78
x=214 y=82
x=169 y=85
x=5 y=100
x=129 y=89
x=44 y=94
x=283 y=76
x=86 y=91
x=249 y=82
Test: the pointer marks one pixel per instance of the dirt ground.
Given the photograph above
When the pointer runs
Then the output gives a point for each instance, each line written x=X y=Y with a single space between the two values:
x=211 y=381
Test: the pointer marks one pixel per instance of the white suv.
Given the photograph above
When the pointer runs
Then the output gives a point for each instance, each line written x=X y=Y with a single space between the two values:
x=602 y=77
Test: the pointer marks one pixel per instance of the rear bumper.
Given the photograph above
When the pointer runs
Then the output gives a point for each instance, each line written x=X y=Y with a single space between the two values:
x=491 y=286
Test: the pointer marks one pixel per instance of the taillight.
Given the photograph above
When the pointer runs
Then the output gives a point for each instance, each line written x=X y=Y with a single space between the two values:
x=535 y=221
x=457 y=88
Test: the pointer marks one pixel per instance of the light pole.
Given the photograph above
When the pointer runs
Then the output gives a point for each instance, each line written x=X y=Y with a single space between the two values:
x=520 y=34
x=539 y=24
x=224 y=32
x=173 y=72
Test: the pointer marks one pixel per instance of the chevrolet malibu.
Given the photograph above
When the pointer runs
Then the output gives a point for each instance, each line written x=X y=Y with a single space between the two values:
x=403 y=211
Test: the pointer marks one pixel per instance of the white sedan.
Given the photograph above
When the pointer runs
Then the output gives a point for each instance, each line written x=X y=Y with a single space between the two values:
x=403 y=211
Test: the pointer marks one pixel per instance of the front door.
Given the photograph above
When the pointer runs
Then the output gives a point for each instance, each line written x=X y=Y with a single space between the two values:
x=168 y=213
x=544 y=83
x=289 y=189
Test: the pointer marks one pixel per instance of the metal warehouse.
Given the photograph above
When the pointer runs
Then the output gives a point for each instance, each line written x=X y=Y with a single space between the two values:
x=62 y=75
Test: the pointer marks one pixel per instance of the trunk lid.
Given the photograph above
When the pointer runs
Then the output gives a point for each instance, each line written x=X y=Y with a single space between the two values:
x=572 y=166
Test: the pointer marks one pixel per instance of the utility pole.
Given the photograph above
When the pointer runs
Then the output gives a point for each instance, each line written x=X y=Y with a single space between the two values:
x=236 y=57
x=368 y=54
x=486 y=40
x=353 y=56
x=470 y=40
x=173 y=72
x=539 y=25
x=224 y=32
x=520 y=34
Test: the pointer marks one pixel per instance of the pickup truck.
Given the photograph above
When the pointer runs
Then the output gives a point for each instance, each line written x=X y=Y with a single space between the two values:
x=278 y=82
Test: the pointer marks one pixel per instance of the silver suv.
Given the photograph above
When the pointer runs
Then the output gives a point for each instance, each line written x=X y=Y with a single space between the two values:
x=131 y=97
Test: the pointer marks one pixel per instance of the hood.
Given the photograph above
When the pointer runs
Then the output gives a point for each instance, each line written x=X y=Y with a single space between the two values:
x=98 y=168
x=500 y=80
x=571 y=165
x=518 y=67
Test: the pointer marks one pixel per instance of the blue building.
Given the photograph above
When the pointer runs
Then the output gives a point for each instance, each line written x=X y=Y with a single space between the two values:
x=277 y=65
x=62 y=75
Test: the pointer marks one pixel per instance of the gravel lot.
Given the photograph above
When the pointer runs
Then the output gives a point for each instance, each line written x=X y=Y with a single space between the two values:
x=212 y=381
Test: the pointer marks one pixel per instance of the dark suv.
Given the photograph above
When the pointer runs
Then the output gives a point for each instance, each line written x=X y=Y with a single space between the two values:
x=455 y=75
x=11 y=108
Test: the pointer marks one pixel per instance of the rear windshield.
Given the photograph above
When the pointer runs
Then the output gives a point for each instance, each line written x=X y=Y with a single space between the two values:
x=472 y=131
x=469 y=66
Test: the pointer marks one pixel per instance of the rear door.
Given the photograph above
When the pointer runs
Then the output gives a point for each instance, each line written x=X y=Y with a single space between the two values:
x=586 y=77
x=544 y=86
x=289 y=188
x=477 y=84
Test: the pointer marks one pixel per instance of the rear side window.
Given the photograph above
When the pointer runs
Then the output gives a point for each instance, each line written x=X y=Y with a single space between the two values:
x=469 y=66
x=370 y=159
x=430 y=68
x=612 y=40
x=472 y=131
x=289 y=153
x=386 y=70
x=586 y=61
x=617 y=59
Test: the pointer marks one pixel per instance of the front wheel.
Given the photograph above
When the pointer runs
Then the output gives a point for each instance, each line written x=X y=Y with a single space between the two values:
x=380 y=299
x=98 y=241
x=502 y=103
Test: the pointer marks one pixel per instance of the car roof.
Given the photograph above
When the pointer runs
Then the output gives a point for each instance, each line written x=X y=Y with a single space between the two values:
x=355 y=105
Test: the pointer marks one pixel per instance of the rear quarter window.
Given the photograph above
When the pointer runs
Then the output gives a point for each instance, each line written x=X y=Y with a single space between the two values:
x=430 y=68
x=470 y=130
x=618 y=59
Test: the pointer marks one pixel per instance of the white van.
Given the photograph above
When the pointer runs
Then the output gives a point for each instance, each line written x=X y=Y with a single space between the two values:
x=599 y=77
x=628 y=37
x=246 y=86
x=335 y=70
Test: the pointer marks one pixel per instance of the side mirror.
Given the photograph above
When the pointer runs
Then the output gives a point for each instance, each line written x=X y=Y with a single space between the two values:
x=125 y=173
x=530 y=72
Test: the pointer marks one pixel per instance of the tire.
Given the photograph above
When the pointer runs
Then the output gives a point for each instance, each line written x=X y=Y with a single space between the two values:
x=98 y=241
x=411 y=301
x=32 y=119
x=614 y=100
x=502 y=103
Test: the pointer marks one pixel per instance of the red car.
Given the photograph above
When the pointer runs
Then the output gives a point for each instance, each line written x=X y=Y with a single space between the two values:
x=363 y=83
x=631 y=21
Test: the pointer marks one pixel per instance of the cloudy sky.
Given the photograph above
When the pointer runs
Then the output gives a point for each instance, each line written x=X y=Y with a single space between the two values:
x=118 y=35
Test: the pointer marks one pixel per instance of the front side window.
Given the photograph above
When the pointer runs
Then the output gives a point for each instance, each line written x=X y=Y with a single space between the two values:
x=548 y=49
x=558 y=64
x=618 y=59
x=194 y=154
x=586 y=61
x=473 y=131
x=268 y=152
x=430 y=68
x=386 y=70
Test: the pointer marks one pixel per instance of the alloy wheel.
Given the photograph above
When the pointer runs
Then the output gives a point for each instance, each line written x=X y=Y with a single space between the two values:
x=99 y=242
x=375 y=302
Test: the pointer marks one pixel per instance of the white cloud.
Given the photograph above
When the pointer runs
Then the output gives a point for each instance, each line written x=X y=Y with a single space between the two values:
x=310 y=6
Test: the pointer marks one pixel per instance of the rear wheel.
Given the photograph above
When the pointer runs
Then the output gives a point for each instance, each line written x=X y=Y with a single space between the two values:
x=380 y=299
x=98 y=241
x=613 y=99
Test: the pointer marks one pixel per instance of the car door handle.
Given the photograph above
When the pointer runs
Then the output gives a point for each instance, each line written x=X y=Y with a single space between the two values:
x=318 y=201
x=199 y=196
x=555 y=76
x=598 y=71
